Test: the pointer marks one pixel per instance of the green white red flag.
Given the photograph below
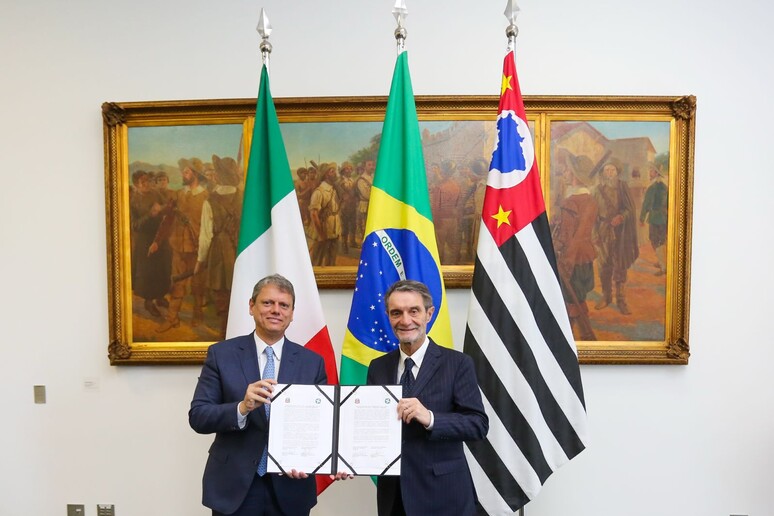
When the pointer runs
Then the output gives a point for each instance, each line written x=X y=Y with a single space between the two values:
x=271 y=240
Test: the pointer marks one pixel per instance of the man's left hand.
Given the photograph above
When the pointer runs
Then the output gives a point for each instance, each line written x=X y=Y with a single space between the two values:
x=410 y=409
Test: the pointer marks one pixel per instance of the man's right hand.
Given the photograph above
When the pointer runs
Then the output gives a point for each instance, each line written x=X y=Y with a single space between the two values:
x=256 y=395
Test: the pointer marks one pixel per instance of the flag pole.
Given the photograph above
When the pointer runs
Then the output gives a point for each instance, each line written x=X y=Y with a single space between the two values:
x=400 y=12
x=511 y=31
x=511 y=12
x=264 y=30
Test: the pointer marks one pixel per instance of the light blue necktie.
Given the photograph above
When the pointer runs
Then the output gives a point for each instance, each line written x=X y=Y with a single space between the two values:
x=268 y=373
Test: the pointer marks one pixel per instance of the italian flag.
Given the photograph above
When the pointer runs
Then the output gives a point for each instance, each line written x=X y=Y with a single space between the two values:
x=271 y=240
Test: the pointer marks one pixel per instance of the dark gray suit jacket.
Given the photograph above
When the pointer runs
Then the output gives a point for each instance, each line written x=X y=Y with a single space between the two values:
x=232 y=365
x=434 y=475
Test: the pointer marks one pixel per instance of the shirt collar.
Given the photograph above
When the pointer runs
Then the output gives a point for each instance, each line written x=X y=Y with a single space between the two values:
x=418 y=355
x=276 y=347
x=577 y=190
x=194 y=191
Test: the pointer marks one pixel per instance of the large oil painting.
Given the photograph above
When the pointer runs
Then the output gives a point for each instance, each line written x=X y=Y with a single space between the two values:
x=616 y=173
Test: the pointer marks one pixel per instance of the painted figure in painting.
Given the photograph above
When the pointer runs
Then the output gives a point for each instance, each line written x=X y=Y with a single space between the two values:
x=150 y=279
x=572 y=230
x=474 y=188
x=219 y=232
x=345 y=187
x=303 y=193
x=209 y=175
x=447 y=216
x=324 y=213
x=655 y=206
x=181 y=226
x=162 y=187
x=363 y=184
x=615 y=234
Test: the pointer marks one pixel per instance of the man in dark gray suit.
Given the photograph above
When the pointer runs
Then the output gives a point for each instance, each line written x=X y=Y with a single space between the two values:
x=231 y=401
x=441 y=407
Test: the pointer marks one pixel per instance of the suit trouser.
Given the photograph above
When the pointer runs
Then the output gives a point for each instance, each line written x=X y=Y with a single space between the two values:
x=261 y=500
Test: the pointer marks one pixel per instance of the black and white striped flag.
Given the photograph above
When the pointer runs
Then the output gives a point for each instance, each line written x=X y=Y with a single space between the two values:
x=518 y=331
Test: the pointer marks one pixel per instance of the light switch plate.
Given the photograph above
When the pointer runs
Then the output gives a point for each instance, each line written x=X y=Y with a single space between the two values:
x=39 y=393
x=75 y=509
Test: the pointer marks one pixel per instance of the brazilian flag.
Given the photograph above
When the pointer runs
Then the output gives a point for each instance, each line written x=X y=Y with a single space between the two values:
x=399 y=241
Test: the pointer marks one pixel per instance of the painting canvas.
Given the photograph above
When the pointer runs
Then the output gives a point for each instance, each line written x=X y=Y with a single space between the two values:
x=609 y=211
x=617 y=175
x=175 y=174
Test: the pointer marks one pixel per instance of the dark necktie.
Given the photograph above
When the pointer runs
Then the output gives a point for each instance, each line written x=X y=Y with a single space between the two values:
x=407 y=380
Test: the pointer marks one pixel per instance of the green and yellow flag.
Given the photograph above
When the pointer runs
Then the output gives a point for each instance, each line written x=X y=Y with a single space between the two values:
x=399 y=241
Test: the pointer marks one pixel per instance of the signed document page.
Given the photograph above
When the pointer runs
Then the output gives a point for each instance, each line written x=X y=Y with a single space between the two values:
x=301 y=428
x=369 y=431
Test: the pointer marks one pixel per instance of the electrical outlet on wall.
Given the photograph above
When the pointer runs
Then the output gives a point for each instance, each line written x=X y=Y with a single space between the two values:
x=104 y=509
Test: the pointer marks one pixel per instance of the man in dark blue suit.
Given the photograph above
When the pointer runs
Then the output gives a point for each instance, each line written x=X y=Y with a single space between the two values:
x=231 y=401
x=441 y=407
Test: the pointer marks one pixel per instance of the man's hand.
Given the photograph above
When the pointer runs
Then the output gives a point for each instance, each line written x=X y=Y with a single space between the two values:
x=410 y=409
x=341 y=476
x=256 y=395
x=297 y=474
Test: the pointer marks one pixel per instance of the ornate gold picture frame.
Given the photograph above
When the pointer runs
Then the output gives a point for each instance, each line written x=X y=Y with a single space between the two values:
x=148 y=139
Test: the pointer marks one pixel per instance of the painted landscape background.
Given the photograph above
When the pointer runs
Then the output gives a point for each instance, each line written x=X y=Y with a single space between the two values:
x=456 y=159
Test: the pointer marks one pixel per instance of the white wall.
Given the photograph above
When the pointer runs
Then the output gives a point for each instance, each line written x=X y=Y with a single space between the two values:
x=693 y=440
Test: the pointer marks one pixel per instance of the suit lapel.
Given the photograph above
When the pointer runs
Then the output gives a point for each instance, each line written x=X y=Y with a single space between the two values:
x=248 y=358
x=392 y=367
x=288 y=365
x=430 y=365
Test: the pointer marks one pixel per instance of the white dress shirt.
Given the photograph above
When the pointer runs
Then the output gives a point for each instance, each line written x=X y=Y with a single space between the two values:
x=417 y=357
x=260 y=347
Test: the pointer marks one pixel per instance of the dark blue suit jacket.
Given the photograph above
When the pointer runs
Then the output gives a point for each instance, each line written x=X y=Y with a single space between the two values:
x=434 y=475
x=232 y=365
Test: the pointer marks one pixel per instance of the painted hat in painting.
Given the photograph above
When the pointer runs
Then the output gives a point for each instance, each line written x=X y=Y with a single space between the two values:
x=226 y=170
x=581 y=168
x=194 y=164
